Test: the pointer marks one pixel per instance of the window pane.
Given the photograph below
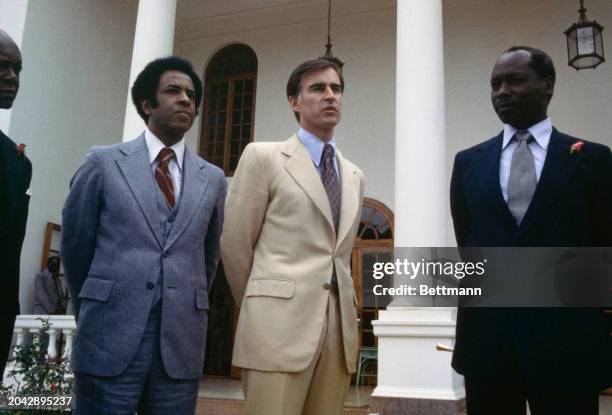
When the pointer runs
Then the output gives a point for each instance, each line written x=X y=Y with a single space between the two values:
x=248 y=101
x=238 y=88
x=246 y=132
x=219 y=147
x=235 y=148
x=237 y=104
x=248 y=85
x=236 y=133
x=246 y=116
x=233 y=163
x=236 y=117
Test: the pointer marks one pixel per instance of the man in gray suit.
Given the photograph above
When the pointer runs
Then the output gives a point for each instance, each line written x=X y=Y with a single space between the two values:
x=140 y=247
x=48 y=291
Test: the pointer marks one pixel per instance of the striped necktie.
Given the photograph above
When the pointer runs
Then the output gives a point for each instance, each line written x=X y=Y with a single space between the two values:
x=331 y=183
x=162 y=175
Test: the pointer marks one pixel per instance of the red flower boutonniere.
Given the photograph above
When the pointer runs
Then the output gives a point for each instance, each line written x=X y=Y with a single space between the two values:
x=576 y=148
x=20 y=148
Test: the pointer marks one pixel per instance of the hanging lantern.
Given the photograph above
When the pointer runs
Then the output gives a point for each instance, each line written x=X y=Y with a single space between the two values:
x=328 y=46
x=584 y=42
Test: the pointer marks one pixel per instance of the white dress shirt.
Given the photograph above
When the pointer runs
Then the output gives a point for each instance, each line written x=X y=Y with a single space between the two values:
x=539 y=146
x=315 y=145
x=175 y=165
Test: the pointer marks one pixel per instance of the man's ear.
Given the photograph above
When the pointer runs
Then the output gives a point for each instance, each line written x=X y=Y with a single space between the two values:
x=294 y=103
x=146 y=106
x=549 y=86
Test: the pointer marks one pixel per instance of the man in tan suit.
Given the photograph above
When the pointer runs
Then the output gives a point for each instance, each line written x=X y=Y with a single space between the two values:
x=291 y=219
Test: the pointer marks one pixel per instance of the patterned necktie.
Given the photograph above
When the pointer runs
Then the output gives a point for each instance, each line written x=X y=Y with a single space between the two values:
x=331 y=183
x=162 y=175
x=522 y=182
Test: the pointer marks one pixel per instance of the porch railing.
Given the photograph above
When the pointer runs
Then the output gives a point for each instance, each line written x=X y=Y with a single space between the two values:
x=59 y=327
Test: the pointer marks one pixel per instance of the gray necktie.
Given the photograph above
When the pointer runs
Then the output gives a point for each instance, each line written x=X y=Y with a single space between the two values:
x=522 y=182
x=331 y=183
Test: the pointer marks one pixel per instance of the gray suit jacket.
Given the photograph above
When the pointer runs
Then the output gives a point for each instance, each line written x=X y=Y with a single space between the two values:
x=113 y=253
x=48 y=295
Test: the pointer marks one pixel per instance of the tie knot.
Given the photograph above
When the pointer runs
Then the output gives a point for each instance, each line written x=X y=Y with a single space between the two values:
x=165 y=154
x=328 y=152
x=523 y=135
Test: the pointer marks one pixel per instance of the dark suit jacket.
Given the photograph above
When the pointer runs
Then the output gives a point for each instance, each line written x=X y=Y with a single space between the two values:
x=572 y=207
x=15 y=175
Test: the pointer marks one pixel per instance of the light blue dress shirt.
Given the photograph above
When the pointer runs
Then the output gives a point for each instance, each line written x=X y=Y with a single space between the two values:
x=315 y=145
x=539 y=146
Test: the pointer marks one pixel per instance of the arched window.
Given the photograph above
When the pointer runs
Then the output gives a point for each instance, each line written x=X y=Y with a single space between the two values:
x=374 y=244
x=229 y=106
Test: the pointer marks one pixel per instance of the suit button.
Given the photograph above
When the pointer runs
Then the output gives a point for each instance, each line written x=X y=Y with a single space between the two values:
x=327 y=286
x=150 y=285
x=165 y=254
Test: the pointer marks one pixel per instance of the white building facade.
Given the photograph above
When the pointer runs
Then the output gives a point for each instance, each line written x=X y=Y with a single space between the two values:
x=417 y=91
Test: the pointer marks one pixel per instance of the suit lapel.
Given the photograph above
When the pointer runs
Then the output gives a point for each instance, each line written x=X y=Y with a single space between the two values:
x=300 y=168
x=137 y=172
x=349 y=205
x=195 y=182
x=558 y=168
x=14 y=171
x=487 y=175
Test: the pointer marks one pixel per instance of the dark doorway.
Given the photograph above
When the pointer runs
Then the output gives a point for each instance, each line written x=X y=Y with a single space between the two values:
x=219 y=338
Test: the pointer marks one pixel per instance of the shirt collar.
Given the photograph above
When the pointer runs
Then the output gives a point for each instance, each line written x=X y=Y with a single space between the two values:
x=154 y=145
x=541 y=133
x=315 y=145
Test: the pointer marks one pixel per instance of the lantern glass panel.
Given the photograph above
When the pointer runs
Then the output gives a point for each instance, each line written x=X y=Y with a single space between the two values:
x=586 y=62
x=586 y=40
x=598 y=42
x=572 y=45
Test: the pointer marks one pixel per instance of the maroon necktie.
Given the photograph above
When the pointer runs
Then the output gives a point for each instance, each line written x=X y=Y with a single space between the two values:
x=331 y=183
x=162 y=175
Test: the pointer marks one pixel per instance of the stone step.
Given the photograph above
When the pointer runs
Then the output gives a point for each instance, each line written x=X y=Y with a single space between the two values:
x=211 y=406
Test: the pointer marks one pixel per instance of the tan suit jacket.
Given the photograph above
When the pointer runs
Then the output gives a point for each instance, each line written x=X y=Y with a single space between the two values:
x=279 y=250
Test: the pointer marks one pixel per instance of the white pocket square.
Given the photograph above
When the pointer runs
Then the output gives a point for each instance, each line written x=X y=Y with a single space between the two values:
x=29 y=192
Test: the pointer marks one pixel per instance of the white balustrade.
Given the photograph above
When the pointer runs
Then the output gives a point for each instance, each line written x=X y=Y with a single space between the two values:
x=29 y=323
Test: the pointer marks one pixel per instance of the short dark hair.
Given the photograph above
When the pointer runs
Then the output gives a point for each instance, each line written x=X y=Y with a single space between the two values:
x=146 y=83
x=295 y=79
x=540 y=61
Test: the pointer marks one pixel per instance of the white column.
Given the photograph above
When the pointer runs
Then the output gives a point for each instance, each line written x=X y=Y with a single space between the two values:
x=12 y=21
x=154 y=38
x=409 y=365
x=421 y=180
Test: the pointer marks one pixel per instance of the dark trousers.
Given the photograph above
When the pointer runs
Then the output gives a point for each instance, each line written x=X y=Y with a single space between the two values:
x=7 y=324
x=508 y=394
x=143 y=386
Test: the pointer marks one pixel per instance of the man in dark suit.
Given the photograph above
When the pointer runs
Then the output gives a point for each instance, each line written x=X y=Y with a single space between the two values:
x=15 y=175
x=531 y=186
x=140 y=247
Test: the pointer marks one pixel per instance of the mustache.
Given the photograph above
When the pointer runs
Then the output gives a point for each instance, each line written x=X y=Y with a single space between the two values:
x=504 y=102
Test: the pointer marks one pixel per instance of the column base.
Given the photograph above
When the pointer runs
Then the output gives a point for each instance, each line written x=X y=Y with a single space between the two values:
x=382 y=405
